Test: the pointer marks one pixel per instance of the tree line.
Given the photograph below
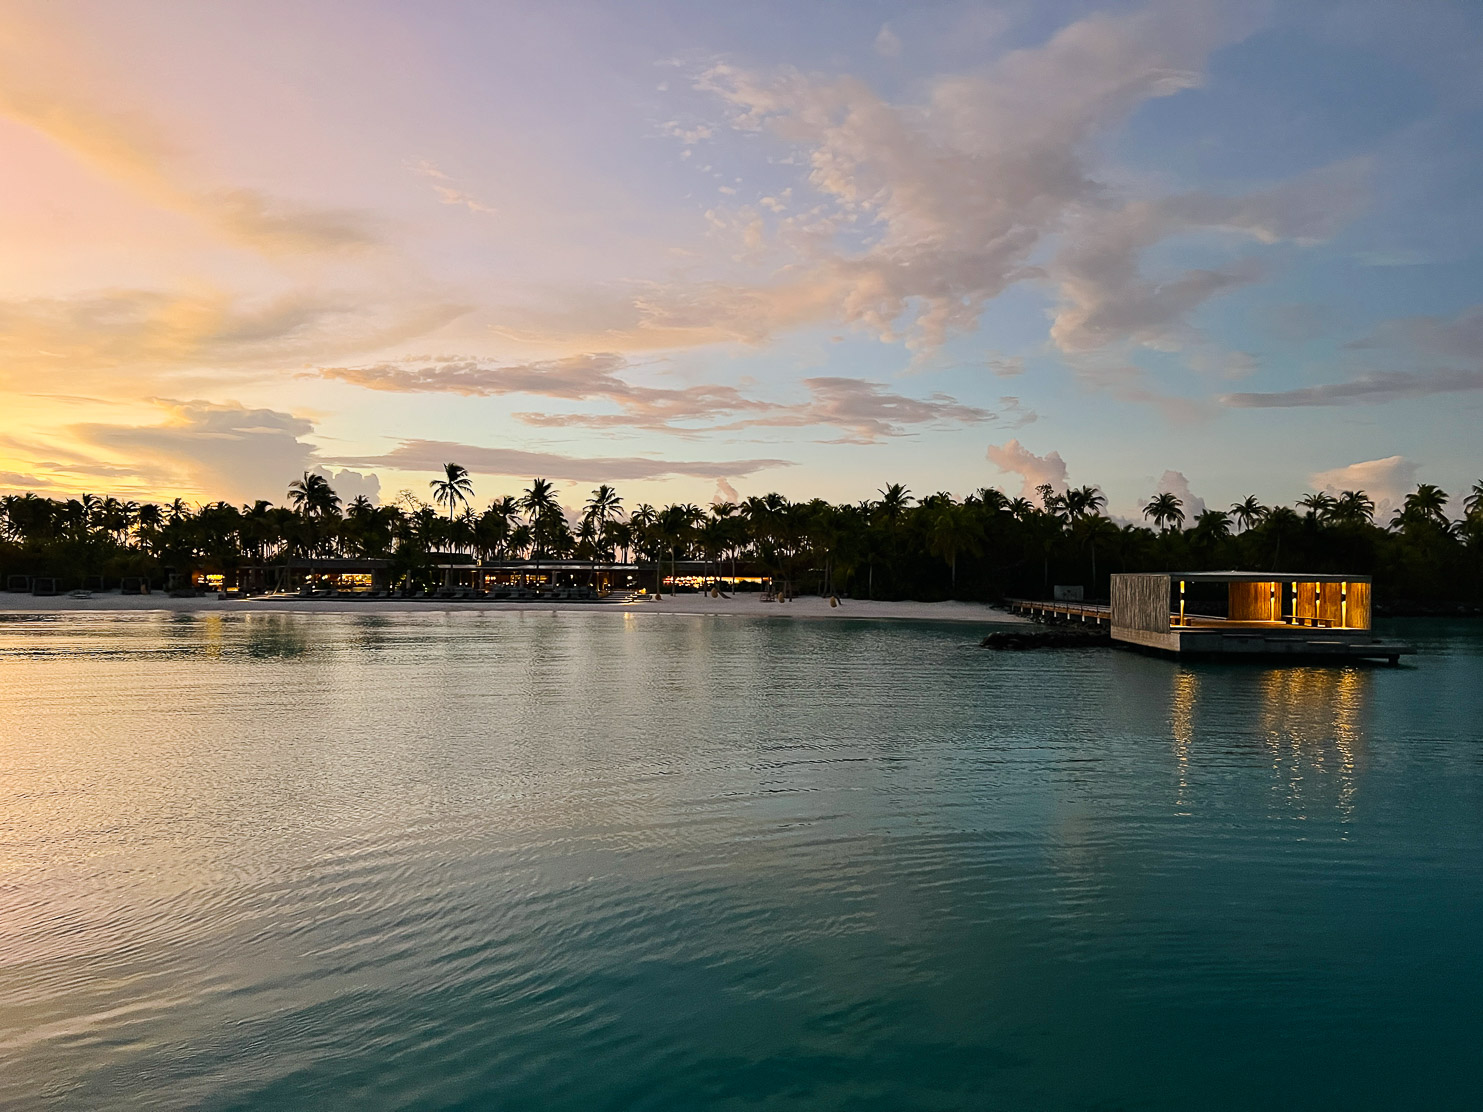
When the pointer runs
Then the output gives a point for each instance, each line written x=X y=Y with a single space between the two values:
x=896 y=545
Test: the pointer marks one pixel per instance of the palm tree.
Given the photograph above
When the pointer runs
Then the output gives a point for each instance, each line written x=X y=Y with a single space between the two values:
x=1473 y=503
x=538 y=500
x=1211 y=527
x=1427 y=503
x=954 y=529
x=540 y=506
x=1353 y=507
x=1083 y=501
x=453 y=488
x=1281 y=522
x=894 y=501
x=674 y=526
x=644 y=524
x=604 y=507
x=1166 y=511
x=1248 y=512
x=312 y=496
x=1319 y=506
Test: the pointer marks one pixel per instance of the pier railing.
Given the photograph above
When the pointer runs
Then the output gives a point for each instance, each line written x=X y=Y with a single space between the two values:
x=1085 y=611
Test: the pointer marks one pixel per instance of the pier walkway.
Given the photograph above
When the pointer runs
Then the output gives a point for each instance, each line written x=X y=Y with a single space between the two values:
x=1086 y=611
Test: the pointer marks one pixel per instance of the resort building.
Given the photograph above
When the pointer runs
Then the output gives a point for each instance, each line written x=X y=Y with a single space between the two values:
x=1250 y=613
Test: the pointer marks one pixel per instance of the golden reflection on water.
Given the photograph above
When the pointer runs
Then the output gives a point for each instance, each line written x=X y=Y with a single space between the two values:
x=1312 y=722
x=1182 y=723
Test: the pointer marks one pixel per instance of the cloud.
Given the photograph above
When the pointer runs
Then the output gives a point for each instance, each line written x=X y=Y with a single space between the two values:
x=864 y=411
x=128 y=150
x=22 y=482
x=211 y=450
x=1174 y=482
x=147 y=331
x=219 y=450
x=725 y=492
x=1382 y=386
x=350 y=485
x=1455 y=337
x=1387 y=481
x=912 y=216
x=1015 y=458
x=430 y=455
x=930 y=210
x=1013 y=413
x=447 y=193
x=1006 y=366
x=1105 y=297
x=1444 y=354
x=887 y=42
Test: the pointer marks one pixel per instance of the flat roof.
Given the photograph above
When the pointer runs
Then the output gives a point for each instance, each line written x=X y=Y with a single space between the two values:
x=1264 y=577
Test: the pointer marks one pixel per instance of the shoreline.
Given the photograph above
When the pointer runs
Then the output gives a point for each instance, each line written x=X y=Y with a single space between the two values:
x=746 y=606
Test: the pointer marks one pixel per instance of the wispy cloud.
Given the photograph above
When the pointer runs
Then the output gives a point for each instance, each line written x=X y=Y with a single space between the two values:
x=128 y=150
x=447 y=190
x=430 y=455
x=1372 y=389
x=144 y=333
x=864 y=411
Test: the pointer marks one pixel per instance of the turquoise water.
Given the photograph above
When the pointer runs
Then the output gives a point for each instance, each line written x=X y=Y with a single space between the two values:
x=642 y=861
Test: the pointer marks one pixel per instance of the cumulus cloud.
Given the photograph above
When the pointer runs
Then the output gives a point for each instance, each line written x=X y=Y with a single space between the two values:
x=1014 y=458
x=220 y=450
x=430 y=455
x=1386 y=480
x=887 y=42
x=725 y=492
x=863 y=411
x=1174 y=482
x=350 y=485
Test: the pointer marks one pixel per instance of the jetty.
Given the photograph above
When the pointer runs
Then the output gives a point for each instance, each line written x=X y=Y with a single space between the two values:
x=1235 y=614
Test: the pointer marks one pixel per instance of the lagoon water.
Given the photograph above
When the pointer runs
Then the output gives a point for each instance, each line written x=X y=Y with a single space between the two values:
x=607 y=860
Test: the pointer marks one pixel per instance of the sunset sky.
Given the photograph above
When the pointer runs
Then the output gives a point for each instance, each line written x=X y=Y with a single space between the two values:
x=699 y=248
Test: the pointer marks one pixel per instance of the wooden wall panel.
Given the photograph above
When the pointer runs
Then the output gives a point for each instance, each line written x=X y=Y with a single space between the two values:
x=1141 y=602
x=1359 y=606
x=1251 y=602
x=1330 y=605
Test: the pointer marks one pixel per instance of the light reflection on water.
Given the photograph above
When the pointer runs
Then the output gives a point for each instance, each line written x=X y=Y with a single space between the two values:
x=630 y=860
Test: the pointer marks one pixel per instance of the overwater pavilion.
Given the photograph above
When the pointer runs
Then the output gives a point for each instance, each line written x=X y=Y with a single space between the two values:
x=1248 y=613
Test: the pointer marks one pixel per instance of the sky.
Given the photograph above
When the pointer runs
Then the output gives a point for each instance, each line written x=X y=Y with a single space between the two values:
x=710 y=250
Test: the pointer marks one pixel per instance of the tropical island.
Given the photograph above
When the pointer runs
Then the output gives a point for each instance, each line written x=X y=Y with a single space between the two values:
x=894 y=546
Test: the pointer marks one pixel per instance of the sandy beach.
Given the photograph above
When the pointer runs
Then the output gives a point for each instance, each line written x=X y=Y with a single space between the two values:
x=744 y=605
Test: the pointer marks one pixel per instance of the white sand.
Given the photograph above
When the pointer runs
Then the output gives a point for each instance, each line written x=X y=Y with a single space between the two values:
x=746 y=605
